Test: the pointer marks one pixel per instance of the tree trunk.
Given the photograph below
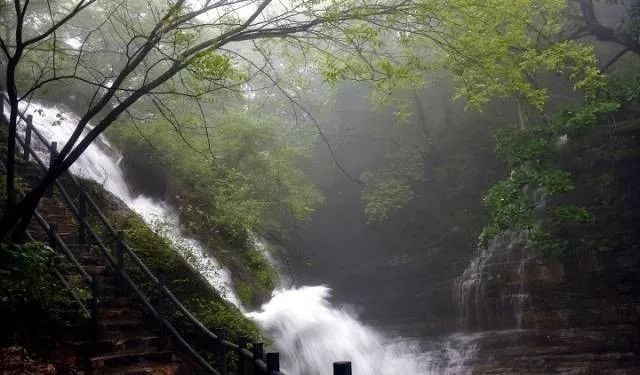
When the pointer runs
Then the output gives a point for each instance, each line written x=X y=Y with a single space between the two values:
x=14 y=222
x=11 y=137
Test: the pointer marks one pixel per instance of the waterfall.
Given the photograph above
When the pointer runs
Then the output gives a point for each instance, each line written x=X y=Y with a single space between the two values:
x=491 y=292
x=310 y=333
x=100 y=164
x=307 y=329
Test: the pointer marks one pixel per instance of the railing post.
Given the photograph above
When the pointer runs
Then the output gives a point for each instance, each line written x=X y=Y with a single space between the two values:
x=162 y=310
x=120 y=260
x=273 y=363
x=52 y=161
x=243 y=366
x=1 y=109
x=3 y=119
x=27 y=137
x=82 y=230
x=94 y=305
x=53 y=229
x=222 y=352
x=258 y=353
x=341 y=368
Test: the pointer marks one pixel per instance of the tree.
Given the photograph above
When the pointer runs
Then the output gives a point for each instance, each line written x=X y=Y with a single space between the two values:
x=238 y=175
x=131 y=51
x=625 y=32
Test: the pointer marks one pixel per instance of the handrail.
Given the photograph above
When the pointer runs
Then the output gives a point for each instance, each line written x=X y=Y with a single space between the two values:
x=63 y=246
x=259 y=363
x=66 y=284
x=105 y=251
x=59 y=242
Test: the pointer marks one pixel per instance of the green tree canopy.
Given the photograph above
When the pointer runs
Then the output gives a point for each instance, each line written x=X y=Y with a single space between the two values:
x=123 y=53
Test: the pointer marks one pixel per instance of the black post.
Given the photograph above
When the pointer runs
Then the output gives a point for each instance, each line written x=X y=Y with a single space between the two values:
x=258 y=353
x=222 y=352
x=243 y=368
x=52 y=161
x=27 y=137
x=82 y=229
x=120 y=260
x=341 y=368
x=94 y=312
x=53 y=229
x=273 y=363
x=162 y=310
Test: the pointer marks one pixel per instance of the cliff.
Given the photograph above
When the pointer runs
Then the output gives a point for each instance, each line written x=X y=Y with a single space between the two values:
x=577 y=313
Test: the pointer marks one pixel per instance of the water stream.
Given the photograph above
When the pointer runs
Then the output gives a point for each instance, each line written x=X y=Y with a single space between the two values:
x=308 y=331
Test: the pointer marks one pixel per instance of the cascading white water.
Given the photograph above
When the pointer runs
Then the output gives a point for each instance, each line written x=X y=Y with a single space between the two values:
x=100 y=163
x=498 y=273
x=308 y=331
x=310 y=334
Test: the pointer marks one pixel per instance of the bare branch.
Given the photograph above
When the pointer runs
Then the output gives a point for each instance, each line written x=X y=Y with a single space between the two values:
x=615 y=59
x=79 y=8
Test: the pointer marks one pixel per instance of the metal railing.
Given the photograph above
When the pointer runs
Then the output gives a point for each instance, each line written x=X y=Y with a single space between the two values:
x=249 y=362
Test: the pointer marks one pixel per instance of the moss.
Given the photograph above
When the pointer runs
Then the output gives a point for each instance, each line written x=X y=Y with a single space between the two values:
x=166 y=262
x=33 y=302
x=253 y=276
x=182 y=279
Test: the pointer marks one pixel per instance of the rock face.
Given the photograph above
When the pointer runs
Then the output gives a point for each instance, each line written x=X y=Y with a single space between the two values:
x=579 y=314
x=144 y=173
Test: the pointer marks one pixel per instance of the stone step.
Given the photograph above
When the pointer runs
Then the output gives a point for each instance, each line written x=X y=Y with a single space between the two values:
x=121 y=324
x=90 y=259
x=128 y=342
x=149 y=369
x=92 y=270
x=120 y=345
x=117 y=301
x=120 y=313
x=112 y=361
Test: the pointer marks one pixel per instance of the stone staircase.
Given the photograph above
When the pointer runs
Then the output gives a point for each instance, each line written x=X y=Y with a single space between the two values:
x=128 y=341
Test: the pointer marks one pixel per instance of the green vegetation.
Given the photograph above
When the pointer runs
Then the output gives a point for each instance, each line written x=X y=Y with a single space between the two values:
x=166 y=59
x=390 y=188
x=33 y=302
x=181 y=95
x=191 y=288
x=173 y=265
x=535 y=179
x=239 y=174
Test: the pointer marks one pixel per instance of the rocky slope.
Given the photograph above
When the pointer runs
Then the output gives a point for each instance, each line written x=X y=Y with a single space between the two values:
x=579 y=314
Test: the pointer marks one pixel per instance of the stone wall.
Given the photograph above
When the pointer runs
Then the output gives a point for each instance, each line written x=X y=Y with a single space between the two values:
x=578 y=314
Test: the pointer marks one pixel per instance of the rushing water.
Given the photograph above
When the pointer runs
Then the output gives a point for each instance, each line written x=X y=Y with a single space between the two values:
x=310 y=334
x=308 y=330
x=100 y=163
x=490 y=276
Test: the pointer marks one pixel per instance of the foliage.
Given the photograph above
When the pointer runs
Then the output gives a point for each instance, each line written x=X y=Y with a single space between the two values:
x=238 y=175
x=263 y=278
x=493 y=49
x=520 y=201
x=390 y=188
x=138 y=65
x=625 y=87
x=31 y=298
x=189 y=286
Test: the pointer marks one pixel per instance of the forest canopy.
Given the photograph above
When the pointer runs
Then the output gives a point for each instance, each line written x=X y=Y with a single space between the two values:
x=130 y=59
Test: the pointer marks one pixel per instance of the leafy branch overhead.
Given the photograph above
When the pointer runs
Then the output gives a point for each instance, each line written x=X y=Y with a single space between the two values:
x=126 y=58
